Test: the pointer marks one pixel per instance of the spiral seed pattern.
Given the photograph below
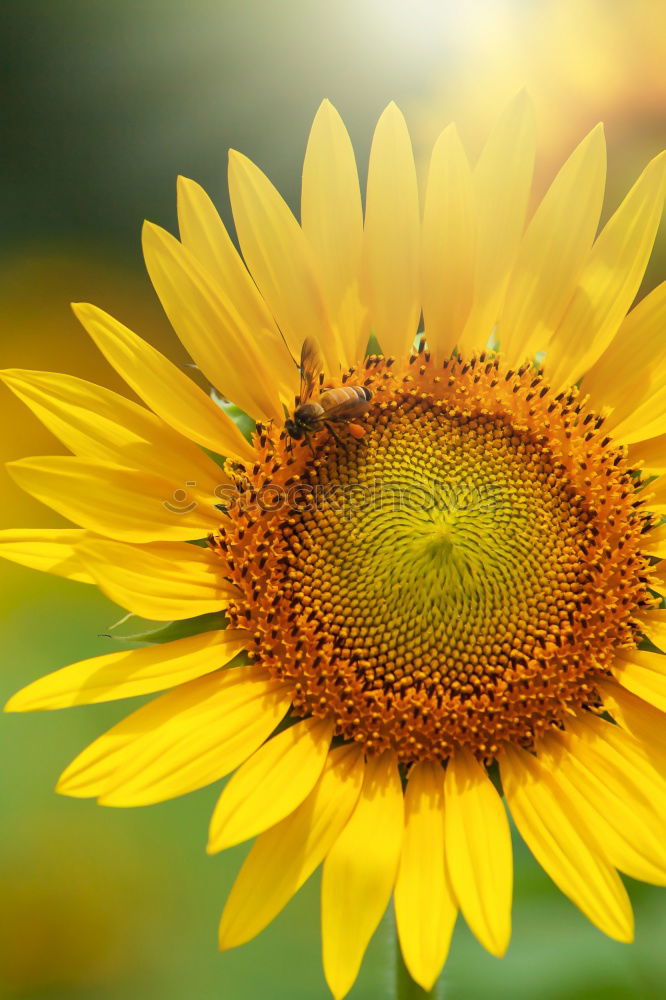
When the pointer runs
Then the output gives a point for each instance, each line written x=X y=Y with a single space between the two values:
x=461 y=576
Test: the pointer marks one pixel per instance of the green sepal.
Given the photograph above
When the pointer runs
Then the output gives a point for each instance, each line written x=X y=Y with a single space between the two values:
x=374 y=347
x=244 y=423
x=212 y=622
x=647 y=645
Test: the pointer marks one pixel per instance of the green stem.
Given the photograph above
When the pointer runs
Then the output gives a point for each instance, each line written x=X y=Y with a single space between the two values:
x=405 y=987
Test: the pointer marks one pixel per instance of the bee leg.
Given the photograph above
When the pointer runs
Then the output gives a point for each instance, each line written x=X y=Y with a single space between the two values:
x=335 y=435
x=308 y=438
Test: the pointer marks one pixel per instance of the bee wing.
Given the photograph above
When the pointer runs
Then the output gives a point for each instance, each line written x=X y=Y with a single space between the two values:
x=343 y=403
x=311 y=366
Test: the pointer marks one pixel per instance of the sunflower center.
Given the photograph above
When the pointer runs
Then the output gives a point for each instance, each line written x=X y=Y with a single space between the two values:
x=459 y=576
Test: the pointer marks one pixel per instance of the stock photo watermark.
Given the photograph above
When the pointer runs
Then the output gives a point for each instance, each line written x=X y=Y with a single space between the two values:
x=351 y=499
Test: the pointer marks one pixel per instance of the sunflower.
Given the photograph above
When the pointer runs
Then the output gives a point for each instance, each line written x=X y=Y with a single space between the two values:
x=384 y=634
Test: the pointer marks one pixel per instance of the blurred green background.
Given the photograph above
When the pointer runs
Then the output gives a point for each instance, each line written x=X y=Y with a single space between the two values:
x=104 y=103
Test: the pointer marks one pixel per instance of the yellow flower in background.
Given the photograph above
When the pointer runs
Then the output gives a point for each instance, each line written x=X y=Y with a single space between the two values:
x=470 y=581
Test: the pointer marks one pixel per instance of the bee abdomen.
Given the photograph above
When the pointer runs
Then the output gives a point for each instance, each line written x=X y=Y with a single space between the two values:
x=344 y=394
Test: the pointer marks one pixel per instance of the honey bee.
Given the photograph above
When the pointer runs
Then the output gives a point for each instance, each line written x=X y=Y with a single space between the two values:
x=332 y=406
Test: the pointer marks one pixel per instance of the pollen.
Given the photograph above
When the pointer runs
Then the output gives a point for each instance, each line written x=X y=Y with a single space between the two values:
x=460 y=575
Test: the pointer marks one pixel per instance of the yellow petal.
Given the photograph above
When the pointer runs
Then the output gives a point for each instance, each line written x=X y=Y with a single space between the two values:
x=642 y=673
x=553 y=251
x=280 y=260
x=654 y=542
x=648 y=414
x=163 y=581
x=478 y=851
x=106 y=763
x=502 y=183
x=125 y=504
x=658 y=580
x=619 y=759
x=215 y=334
x=617 y=815
x=203 y=232
x=198 y=743
x=332 y=220
x=271 y=784
x=624 y=375
x=102 y=426
x=286 y=855
x=556 y=834
x=447 y=245
x=653 y=624
x=609 y=281
x=359 y=873
x=646 y=723
x=657 y=498
x=158 y=382
x=649 y=455
x=51 y=550
x=390 y=266
x=130 y=672
x=425 y=909
x=95 y=770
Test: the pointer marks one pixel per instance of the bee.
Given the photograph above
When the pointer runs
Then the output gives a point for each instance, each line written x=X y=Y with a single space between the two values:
x=332 y=406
